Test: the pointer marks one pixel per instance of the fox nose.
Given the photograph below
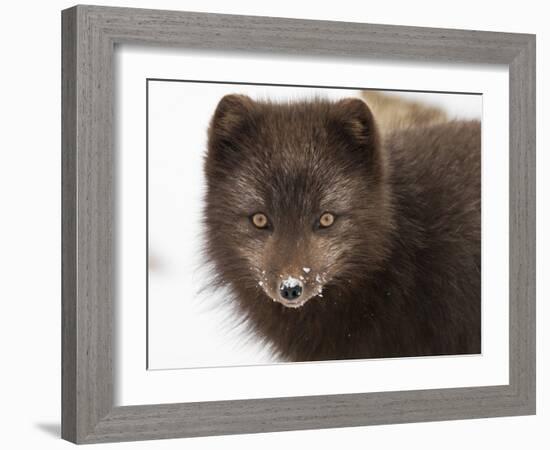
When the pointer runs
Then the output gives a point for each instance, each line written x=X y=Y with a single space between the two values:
x=291 y=288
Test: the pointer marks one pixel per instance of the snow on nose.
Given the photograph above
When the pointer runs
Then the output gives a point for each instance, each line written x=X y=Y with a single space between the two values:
x=291 y=288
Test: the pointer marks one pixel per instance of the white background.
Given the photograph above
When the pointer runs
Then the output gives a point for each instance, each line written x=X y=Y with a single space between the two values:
x=30 y=226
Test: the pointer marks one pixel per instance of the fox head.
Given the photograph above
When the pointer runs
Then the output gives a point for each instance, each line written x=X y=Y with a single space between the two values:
x=297 y=205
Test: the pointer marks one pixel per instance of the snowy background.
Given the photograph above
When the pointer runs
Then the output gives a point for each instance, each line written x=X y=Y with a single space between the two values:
x=188 y=325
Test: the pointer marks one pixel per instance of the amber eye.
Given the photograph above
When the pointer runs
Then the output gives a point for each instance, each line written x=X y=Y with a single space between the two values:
x=260 y=220
x=326 y=220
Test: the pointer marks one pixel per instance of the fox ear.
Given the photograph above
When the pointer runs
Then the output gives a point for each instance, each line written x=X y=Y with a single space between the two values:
x=232 y=111
x=357 y=121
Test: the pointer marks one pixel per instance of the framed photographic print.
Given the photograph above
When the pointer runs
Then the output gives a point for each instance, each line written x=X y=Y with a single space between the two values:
x=279 y=224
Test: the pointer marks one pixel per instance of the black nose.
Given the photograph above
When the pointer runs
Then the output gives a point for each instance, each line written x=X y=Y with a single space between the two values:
x=290 y=289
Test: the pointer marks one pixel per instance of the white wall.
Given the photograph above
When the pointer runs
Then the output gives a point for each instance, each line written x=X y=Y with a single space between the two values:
x=30 y=224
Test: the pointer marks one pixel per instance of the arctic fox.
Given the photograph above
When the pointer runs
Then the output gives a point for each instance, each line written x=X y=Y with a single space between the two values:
x=344 y=239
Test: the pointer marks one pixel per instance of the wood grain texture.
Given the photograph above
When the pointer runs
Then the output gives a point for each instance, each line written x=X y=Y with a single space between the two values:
x=523 y=224
x=88 y=197
x=68 y=226
x=88 y=208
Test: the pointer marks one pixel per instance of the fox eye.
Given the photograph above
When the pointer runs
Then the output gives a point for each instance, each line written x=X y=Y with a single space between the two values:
x=259 y=220
x=326 y=220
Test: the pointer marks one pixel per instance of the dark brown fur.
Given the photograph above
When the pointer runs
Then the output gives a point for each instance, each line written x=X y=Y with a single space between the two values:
x=400 y=267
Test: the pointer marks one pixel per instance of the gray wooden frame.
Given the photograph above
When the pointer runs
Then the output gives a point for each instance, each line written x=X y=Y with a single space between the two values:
x=89 y=36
